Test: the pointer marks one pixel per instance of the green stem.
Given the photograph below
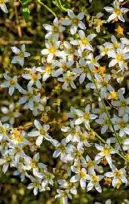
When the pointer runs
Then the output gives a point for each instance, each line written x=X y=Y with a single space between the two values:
x=45 y=6
x=61 y=6
x=106 y=110
x=103 y=141
x=26 y=2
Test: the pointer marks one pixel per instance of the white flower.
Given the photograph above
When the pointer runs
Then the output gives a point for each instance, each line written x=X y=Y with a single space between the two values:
x=105 y=152
x=63 y=66
x=84 y=41
x=126 y=145
x=82 y=70
x=6 y=161
x=33 y=76
x=72 y=132
x=61 y=150
x=47 y=70
x=35 y=185
x=68 y=80
x=102 y=83
x=119 y=176
x=21 y=54
x=3 y=130
x=92 y=61
x=84 y=117
x=81 y=176
x=116 y=12
x=119 y=57
x=10 y=113
x=74 y=21
x=121 y=124
x=94 y=182
x=67 y=185
x=29 y=98
x=41 y=132
x=51 y=50
x=64 y=195
x=100 y=110
x=39 y=106
x=53 y=30
x=48 y=178
x=98 y=22
x=11 y=83
x=106 y=202
x=122 y=104
x=113 y=45
x=104 y=121
x=3 y=5
x=89 y=164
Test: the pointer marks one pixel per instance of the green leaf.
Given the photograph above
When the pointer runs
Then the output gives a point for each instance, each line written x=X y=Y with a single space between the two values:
x=26 y=13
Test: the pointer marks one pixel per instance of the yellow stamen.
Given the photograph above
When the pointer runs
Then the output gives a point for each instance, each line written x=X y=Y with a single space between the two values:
x=52 y=50
x=84 y=41
x=114 y=95
x=119 y=30
x=119 y=57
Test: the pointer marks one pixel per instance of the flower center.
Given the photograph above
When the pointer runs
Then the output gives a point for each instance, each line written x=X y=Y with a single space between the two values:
x=30 y=95
x=90 y=164
x=69 y=78
x=83 y=174
x=2 y=1
x=2 y=129
x=55 y=29
x=34 y=163
x=34 y=76
x=87 y=116
x=84 y=41
x=12 y=82
x=48 y=69
x=52 y=50
x=95 y=179
x=21 y=54
x=106 y=151
x=118 y=174
x=42 y=131
x=116 y=45
x=98 y=22
x=119 y=57
x=75 y=21
x=123 y=124
x=62 y=148
x=117 y=11
x=123 y=103
x=114 y=95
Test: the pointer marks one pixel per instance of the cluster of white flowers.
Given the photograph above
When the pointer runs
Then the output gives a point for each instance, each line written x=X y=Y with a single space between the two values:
x=94 y=135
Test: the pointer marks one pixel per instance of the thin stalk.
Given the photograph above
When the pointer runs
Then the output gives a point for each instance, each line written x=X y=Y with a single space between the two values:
x=61 y=6
x=45 y=6
x=103 y=141
x=106 y=110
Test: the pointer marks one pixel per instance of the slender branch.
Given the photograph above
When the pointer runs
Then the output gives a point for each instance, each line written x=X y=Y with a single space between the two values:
x=45 y=6
x=103 y=141
x=106 y=110
x=61 y=6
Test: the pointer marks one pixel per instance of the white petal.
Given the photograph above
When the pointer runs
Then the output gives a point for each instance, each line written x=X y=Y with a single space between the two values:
x=15 y=50
x=33 y=134
x=74 y=179
x=79 y=121
x=39 y=140
x=45 y=52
